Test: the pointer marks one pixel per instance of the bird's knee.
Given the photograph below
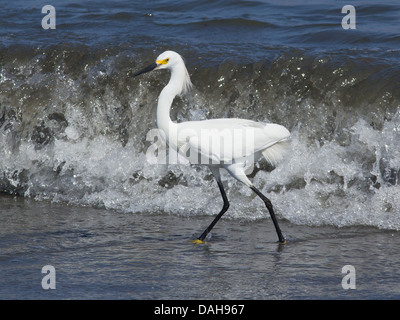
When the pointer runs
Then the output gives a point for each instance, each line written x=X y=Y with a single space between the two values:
x=226 y=206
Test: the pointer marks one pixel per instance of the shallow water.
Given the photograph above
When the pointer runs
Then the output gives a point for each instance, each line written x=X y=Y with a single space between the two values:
x=103 y=254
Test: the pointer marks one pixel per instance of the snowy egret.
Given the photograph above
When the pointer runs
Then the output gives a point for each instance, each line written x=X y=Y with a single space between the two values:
x=270 y=140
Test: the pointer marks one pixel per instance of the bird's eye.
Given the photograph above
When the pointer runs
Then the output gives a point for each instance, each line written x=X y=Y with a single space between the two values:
x=167 y=59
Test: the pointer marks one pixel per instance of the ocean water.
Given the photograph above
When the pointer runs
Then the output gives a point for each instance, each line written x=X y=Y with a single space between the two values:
x=74 y=124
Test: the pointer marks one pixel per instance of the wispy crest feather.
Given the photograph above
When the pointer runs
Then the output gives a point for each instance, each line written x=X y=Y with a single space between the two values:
x=187 y=84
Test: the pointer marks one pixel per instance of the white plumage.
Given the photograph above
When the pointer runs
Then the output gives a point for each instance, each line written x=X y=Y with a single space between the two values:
x=232 y=144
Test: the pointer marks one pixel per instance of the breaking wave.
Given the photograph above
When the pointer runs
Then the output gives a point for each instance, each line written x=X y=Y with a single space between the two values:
x=73 y=127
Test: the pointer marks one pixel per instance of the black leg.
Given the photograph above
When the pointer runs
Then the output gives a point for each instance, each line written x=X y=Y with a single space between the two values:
x=224 y=209
x=272 y=213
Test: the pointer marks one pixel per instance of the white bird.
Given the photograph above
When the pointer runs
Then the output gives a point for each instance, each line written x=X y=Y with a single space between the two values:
x=243 y=141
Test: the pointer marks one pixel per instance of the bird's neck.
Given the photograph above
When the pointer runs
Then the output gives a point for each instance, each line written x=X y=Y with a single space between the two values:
x=167 y=95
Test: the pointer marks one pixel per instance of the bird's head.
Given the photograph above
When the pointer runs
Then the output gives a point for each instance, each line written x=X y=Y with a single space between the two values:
x=174 y=62
x=168 y=59
x=165 y=60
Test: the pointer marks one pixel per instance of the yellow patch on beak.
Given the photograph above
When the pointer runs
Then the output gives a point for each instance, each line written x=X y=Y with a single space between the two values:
x=165 y=61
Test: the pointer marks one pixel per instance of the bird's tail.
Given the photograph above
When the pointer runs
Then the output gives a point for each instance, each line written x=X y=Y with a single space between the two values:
x=275 y=153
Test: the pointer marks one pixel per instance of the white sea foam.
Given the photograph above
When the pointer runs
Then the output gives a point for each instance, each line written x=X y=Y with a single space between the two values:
x=88 y=146
x=315 y=185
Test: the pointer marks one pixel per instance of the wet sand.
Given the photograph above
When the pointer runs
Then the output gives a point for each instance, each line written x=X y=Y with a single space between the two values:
x=104 y=254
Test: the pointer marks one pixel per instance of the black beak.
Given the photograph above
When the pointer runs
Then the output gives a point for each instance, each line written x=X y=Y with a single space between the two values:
x=147 y=69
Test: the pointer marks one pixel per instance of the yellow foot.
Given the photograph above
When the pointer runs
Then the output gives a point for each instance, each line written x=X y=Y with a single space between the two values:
x=198 y=241
x=284 y=242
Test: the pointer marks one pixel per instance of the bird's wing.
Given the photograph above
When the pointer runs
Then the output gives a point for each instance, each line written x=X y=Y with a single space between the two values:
x=228 y=140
